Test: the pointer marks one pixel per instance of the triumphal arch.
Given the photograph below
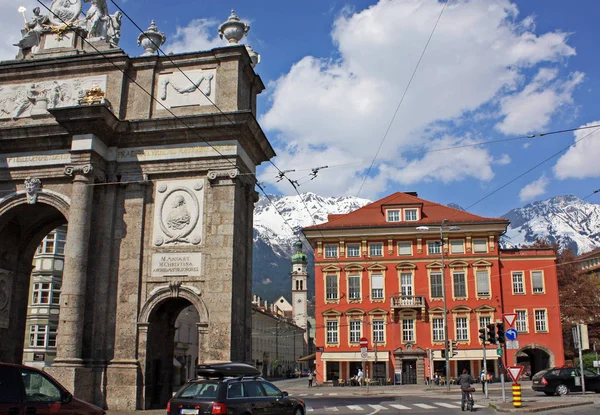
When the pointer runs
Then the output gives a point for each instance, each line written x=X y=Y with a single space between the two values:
x=150 y=162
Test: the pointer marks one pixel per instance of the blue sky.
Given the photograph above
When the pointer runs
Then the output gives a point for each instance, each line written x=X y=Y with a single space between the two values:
x=335 y=72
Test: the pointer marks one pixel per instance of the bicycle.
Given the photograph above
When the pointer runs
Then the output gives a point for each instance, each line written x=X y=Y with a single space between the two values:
x=467 y=402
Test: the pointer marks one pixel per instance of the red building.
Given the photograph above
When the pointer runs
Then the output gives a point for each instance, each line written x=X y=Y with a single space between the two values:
x=378 y=274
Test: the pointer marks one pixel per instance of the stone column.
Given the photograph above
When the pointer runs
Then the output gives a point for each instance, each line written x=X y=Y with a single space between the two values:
x=72 y=297
x=202 y=342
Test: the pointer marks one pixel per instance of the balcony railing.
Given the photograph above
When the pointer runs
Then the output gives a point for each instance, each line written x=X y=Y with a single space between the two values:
x=407 y=301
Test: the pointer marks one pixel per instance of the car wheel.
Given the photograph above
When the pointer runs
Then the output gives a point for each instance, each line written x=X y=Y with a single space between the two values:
x=298 y=411
x=562 y=390
x=549 y=393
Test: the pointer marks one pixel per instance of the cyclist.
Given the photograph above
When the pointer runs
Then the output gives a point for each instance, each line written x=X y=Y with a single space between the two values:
x=465 y=380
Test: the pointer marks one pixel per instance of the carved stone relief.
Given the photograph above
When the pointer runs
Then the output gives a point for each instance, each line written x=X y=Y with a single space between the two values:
x=32 y=187
x=178 y=212
x=175 y=90
x=6 y=278
x=26 y=100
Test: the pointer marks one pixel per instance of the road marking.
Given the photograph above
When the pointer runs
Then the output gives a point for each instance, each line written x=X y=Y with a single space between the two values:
x=398 y=406
x=355 y=408
x=318 y=394
x=333 y=394
x=309 y=409
x=303 y=394
x=331 y=408
x=378 y=407
x=446 y=405
x=424 y=406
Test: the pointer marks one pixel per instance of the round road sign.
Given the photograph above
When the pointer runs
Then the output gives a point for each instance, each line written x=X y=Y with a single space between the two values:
x=511 y=334
x=363 y=342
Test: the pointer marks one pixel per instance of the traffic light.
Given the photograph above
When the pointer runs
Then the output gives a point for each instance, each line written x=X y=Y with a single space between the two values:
x=443 y=354
x=453 y=348
x=491 y=333
x=501 y=337
x=482 y=335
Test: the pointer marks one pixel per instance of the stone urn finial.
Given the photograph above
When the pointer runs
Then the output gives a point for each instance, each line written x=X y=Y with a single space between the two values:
x=233 y=29
x=151 y=39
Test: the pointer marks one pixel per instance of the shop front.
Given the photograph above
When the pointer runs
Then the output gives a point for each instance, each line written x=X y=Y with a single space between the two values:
x=339 y=368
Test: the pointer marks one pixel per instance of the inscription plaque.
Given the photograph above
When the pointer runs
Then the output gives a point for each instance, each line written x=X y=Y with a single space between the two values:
x=171 y=265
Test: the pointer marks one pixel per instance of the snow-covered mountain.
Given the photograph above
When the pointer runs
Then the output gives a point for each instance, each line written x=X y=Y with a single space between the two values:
x=568 y=220
x=565 y=219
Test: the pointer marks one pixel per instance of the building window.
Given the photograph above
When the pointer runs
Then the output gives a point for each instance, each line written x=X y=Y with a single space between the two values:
x=378 y=331
x=53 y=243
x=517 y=280
x=437 y=289
x=484 y=322
x=540 y=320
x=331 y=251
x=457 y=246
x=42 y=293
x=460 y=285
x=438 y=329
x=376 y=286
x=537 y=282
x=462 y=329
x=332 y=331
x=376 y=249
x=404 y=248
x=331 y=287
x=521 y=321
x=433 y=248
x=483 y=283
x=355 y=331
x=408 y=331
x=52 y=337
x=354 y=287
x=353 y=250
x=480 y=246
x=410 y=215
x=37 y=335
x=393 y=216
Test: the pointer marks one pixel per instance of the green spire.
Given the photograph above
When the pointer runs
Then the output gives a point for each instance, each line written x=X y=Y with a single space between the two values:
x=299 y=256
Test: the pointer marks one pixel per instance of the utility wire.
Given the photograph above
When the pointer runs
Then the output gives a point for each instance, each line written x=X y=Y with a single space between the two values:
x=402 y=98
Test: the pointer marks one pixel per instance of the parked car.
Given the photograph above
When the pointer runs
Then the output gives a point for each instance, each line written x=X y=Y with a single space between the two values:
x=28 y=391
x=562 y=380
x=232 y=388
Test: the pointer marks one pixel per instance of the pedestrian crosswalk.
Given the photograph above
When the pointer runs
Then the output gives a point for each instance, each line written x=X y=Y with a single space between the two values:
x=389 y=407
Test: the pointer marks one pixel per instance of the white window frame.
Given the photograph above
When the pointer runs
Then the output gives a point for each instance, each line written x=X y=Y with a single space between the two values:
x=462 y=329
x=541 y=324
x=479 y=251
x=434 y=247
x=53 y=243
x=332 y=331
x=355 y=330
x=376 y=249
x=329 y=295
x=408 y=217
x=352 y=294
x=480 y=293
x=521 y=324
x=454 y=243
x=38 y=335
x=403 y=245
x=533 y=285
x=518 y=284
x=408 y=330
x=378 y=331
x=37 y=294
x=437 y=327
x=331 y=250
x=350 y=250
x=394 y=215
x=376 y=290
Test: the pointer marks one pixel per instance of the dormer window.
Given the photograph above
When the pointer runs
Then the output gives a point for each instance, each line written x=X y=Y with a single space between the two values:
x=393 y=215
x=410 y=215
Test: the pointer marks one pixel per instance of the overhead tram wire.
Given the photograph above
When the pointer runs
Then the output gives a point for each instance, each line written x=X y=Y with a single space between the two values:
x=403 y=96
x=152 y=97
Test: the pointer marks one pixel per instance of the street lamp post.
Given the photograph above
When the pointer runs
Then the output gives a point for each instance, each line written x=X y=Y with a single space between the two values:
x=446 y=336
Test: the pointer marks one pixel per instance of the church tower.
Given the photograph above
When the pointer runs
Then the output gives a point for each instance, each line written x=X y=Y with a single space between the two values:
x=299 y=289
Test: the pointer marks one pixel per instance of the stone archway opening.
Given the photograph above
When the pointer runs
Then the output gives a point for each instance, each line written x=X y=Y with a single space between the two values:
x=172 y=349
x=533 y=359
x=23 y=226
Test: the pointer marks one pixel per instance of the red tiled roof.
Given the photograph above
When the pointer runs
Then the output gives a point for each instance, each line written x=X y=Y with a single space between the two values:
x=373 y=215
x=589 y=254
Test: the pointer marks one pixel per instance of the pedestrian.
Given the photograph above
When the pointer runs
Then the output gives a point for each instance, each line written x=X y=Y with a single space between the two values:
x=359 y=376
x=310 y=378
x=483 y=378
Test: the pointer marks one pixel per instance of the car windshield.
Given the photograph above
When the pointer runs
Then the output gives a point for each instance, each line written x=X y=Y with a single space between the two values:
x=199 y=390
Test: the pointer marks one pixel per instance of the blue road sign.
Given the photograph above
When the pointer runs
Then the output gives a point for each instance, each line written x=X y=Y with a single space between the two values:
x=511 y=334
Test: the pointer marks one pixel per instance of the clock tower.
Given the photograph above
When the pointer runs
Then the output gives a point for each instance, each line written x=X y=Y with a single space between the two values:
x=299 y=290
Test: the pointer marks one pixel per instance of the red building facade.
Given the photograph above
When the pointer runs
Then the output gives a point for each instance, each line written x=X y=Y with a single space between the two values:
x=378 y=275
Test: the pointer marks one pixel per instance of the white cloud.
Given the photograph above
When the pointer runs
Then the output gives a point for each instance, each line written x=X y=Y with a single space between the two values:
x=194 y=37
x=342 y=107
x=534 y=189
x=531 y=108
x=581 y=160
x=12 y=23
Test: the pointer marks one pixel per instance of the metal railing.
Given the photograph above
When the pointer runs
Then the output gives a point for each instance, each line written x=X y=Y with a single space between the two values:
x=407 y=301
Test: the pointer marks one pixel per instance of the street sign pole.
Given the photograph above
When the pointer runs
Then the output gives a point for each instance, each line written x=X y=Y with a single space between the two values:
x=580 y=358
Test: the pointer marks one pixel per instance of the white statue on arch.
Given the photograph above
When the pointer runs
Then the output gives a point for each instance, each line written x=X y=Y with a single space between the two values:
x=97 y=19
